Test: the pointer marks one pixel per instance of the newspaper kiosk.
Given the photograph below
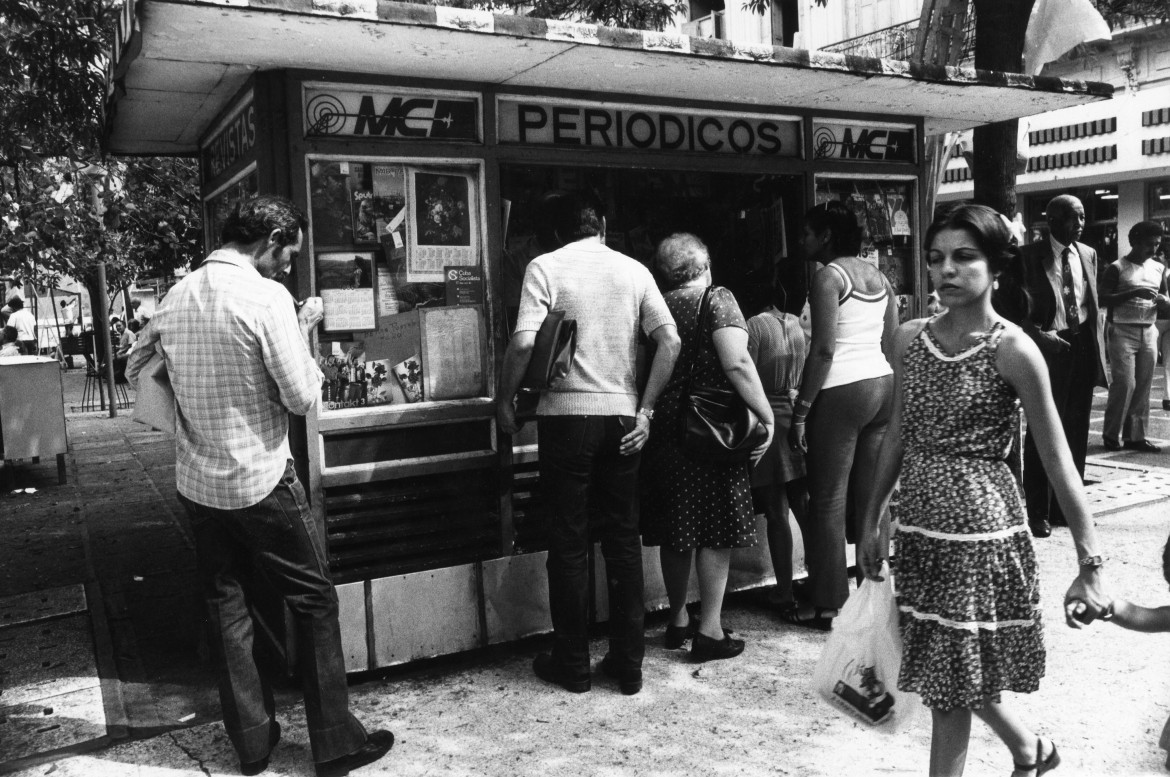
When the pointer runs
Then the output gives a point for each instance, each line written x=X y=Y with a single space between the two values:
x=417 y=139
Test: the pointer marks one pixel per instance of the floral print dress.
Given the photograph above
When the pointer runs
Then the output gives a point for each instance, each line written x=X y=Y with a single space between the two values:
x=964 y=566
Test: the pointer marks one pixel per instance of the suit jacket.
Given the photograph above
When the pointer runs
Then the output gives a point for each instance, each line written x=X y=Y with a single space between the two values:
x=1036 y=258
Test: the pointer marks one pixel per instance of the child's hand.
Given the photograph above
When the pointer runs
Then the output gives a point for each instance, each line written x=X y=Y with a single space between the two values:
x=1078 y=610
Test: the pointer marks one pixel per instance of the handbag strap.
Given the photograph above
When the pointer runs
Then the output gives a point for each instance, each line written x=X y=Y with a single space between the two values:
x=704 y=306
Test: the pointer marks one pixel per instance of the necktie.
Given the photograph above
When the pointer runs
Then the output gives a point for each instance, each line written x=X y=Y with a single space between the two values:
x=1072 y=311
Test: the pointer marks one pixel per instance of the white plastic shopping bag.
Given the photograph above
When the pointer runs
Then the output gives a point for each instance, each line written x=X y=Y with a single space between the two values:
x=858 y=670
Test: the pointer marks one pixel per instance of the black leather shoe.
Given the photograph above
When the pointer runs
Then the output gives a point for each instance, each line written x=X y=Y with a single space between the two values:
x=378 y=743
x=1112 y=445
x=256 y=767
x=676 y=636
x=703 y=648
x=1144 y=446
x=547 y=669
x=1040 y=527
x=629 y=680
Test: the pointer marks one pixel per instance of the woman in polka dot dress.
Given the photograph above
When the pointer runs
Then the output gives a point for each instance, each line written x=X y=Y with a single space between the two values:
x=695 y=509
x=964 y=567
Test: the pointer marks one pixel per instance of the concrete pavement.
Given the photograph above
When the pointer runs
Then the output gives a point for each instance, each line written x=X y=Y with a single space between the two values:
x=105 y=562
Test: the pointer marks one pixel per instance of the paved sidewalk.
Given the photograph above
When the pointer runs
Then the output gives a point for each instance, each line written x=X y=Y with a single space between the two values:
x=100 y=640
x=97 y=582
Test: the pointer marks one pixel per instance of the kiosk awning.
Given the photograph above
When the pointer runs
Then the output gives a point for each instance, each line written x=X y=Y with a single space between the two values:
x=177 y=63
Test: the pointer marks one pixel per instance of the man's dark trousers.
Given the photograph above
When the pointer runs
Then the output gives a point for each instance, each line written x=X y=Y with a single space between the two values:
x=1073 y=374
x=276 y=538
x=582 y=472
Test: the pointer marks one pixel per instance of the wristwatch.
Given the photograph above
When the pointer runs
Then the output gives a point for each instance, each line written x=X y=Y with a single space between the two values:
x=648 y=412
x=1092 y=562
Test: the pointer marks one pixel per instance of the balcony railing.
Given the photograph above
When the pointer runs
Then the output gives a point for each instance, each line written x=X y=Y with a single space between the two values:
x=897 y=42
x=709 y=26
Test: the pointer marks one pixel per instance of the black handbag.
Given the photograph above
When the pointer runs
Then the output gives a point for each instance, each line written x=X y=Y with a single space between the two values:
x=552 y=358
x=717 y=425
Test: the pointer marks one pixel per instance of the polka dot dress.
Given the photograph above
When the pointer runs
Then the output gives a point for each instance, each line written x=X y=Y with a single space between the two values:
x=964 y=566
x=687 y=504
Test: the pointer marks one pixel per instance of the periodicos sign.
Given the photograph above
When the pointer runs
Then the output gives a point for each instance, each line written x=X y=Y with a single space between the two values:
x=401 y=114
x=863 y=142
x=607 y=125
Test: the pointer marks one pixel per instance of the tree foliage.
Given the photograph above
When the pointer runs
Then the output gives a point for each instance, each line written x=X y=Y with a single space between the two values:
x=64 y=207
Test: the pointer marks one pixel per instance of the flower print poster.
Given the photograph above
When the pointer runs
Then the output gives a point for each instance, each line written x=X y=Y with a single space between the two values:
x=442 y=230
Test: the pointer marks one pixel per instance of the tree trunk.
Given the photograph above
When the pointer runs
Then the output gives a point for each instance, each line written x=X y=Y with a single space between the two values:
x=1000 y=26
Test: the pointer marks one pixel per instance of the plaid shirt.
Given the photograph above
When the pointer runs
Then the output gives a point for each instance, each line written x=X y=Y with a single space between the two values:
x=239 y=365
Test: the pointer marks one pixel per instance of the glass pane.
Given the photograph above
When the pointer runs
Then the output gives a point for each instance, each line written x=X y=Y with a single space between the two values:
x=397 y=262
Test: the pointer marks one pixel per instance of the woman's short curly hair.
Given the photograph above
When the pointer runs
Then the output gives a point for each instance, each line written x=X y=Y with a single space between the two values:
x=680 y=258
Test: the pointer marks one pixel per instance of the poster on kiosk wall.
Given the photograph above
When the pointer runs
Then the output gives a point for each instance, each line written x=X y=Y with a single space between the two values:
x=441 y=230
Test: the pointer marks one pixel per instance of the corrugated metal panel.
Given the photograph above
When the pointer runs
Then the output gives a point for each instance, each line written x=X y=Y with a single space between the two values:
x=409 y=524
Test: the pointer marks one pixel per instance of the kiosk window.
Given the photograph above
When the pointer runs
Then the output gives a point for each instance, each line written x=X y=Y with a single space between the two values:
x=397 y=261
x=219 y=205
x=750 y=223
x=885 y=209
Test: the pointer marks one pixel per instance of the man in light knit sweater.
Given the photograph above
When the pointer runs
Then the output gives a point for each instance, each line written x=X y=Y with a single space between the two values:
x=1131 y=290
x=591 y=426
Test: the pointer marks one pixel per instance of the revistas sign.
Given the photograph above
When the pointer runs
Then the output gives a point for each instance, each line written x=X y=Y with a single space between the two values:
x=348 y=111
x=232 y=141
x=864 y=142
x=609 y=125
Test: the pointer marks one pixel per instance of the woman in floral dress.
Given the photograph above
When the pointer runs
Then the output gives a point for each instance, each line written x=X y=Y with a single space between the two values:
x=964 y=567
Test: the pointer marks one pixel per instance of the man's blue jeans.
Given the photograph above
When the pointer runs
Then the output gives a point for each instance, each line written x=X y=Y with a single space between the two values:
x=581 y=471
x=275 y=538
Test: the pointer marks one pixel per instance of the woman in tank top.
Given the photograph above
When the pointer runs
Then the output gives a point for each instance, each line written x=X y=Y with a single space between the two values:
x=844 y=403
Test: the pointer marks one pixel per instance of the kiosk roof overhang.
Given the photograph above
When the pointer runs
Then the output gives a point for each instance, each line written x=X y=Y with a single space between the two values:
x=177 y=64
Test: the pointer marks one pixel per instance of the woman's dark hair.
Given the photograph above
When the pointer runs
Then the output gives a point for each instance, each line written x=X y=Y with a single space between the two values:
x=835 y=217
x=568 y=216
x=790 y=286
x=680 y=258
x=254 y=218
x=990 y=232
x=133 y=325
x=10 y=334
x=16 y=303
x=1144 y=230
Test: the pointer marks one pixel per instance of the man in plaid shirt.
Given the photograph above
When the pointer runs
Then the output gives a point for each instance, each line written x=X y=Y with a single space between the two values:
x=238 y=360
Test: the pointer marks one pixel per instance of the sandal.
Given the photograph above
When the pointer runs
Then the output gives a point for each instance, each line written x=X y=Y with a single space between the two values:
x=818 y=620
x=1041 y=765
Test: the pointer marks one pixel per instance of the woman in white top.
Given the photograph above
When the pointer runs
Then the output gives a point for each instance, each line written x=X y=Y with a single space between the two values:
x=844 y=402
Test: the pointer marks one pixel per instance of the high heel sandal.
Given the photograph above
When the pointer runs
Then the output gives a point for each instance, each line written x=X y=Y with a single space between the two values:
x=1041 y=765
x=818 y=620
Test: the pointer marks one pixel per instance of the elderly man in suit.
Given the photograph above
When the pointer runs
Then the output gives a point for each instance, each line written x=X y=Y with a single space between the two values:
x=1061 y=278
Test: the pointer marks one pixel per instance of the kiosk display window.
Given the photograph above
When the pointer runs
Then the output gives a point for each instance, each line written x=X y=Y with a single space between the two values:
x=749 y=223
x=220 y=204
x=885 y=209
x=397 y=261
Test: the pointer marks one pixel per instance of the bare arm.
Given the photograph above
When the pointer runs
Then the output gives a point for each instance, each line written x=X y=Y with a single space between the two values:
x=870 y=548
x=1108 y=295
x=667 y=347
x=823 y=299
x=731 y=348
x=516 y=360
x=1137 y=618
x=890 y=325
x=1021 y=365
